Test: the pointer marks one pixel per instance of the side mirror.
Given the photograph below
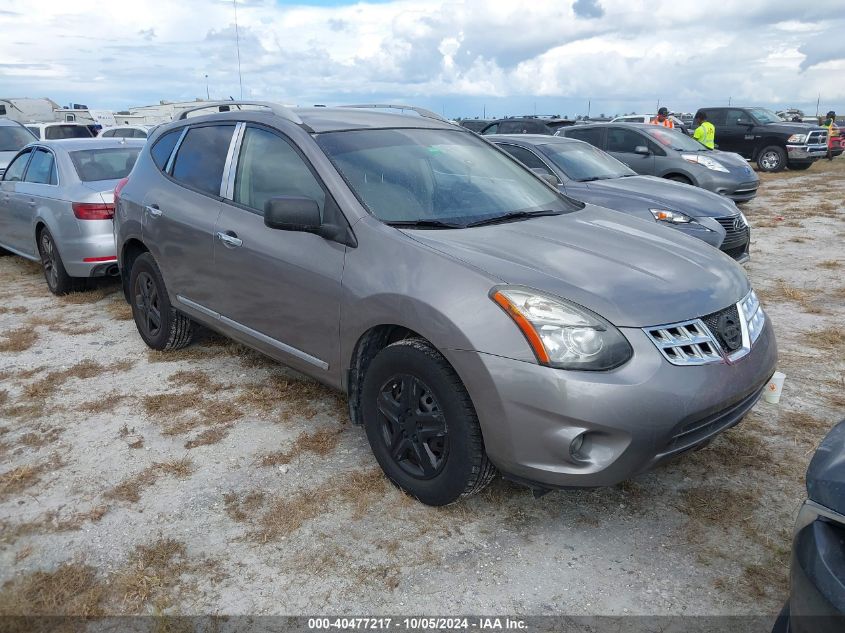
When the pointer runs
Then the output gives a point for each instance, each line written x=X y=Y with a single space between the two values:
x=641 y=149
x=289 y=213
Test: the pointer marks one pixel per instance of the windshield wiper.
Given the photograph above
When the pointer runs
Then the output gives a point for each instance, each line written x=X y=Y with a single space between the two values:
x=425 y=224
x=592 y=178
x=515 y=215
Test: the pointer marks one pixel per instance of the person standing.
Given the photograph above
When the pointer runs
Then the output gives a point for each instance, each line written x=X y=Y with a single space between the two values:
x=832 y=133
x=662 y=118
x=705 y=132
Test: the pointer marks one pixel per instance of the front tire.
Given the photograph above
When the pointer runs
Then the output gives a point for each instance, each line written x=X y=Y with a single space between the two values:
x=771 y=159
x=58 y=281
x=422 y=426
x=160 y=325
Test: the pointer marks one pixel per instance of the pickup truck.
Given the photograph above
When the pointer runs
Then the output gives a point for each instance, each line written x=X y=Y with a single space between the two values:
x=760 y=135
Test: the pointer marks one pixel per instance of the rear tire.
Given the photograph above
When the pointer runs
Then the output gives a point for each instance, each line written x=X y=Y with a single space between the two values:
x=422 y=426
x=160 y=325
x=58 y=281
x=771 y=159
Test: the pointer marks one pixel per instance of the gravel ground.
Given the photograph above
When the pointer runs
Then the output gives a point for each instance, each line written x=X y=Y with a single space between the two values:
x=211 y=480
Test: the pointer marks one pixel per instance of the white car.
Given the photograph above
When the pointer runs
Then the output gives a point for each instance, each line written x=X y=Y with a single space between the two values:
x=646 y=118
x=127 y=131
x=59 y=129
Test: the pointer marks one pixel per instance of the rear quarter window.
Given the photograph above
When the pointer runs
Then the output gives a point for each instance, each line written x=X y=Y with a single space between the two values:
x=163 y=147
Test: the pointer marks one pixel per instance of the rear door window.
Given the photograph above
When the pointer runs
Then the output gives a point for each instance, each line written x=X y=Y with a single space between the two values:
x=42 y=168
x=592 y=135
x=622 y=140
x=201 y=157
x=269 y=167
x=14 y=172
x=108 y=133
x=717 y=117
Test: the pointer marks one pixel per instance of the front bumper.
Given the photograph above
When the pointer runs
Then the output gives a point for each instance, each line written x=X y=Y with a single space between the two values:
x=817 y=598
x=805 y=152
x=739 y=187
x=633 y=417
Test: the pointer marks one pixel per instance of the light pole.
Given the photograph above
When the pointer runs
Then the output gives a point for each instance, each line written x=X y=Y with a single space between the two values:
x=207 y=94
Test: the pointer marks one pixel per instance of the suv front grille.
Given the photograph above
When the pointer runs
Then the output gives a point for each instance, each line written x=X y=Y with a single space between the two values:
x=723 y=336
x=736 y=232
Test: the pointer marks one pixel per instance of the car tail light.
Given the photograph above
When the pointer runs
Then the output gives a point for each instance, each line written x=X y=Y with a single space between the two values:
x=93 y=211
x=119 y=188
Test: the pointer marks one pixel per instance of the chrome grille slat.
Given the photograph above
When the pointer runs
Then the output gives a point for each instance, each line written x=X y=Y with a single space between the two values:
x=696 y=342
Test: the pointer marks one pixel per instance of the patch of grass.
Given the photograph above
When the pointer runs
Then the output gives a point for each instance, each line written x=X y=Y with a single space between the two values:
x=76 y=329
x=18 y=339
x=12 y=310
x=119 y=310
x=104 y=404
x=718 y=506
x=830 y=338
x=20 y=478
x=72 y=589
x=83 y=370
x=241 y=510
x=130 y=490
x=163 y=405
x=358 y=490
x=320 y=442
x=40 y=437
x=154 y=573
x=92 y=295
x=4 y=397
x=830 y=264
x=192 y=378
x=52 y=523
x=207 y=437
x=298 y=396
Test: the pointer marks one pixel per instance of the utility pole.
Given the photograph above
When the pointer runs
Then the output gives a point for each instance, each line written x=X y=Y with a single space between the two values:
x=729 y=101
x=238 y=46
x=207 y=94
x=817 y=103
x=589 y=104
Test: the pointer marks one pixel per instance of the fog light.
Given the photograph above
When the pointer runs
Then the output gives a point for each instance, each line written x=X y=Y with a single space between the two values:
x=575 y=448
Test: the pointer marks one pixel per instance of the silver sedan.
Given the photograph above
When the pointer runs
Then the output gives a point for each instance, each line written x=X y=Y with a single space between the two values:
x=57 y=205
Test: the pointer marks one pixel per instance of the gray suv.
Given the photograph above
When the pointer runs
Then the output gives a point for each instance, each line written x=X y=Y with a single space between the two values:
x=477 y=319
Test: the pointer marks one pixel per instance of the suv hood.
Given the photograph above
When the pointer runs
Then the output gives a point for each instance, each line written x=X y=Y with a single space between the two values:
x=792 y=128
x=625 y=269
x=652 y=192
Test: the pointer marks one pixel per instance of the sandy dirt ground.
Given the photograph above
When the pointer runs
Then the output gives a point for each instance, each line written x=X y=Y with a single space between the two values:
x=212 y=480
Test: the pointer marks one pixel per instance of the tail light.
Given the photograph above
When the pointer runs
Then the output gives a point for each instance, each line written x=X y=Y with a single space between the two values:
x=93 y=211
x=119 y=188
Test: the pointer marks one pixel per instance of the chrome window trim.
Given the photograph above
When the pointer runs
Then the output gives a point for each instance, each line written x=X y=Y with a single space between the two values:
x=230 y=167
x=279 y=345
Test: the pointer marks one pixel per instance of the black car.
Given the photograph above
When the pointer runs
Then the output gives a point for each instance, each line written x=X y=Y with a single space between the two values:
x=526 y=125
x=817 y=597
x=476 y=125
x=760 y=135
x=590 y=175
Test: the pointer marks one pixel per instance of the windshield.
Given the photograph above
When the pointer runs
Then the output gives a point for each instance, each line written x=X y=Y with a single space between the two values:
x=674 y=139
x=104 y=164
x=765 y=116
x=54 y=132
x=13 y=137
x=435 y=176
x=581 y=161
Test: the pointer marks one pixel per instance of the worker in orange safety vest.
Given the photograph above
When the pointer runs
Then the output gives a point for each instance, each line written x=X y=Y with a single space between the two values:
x=662 y=118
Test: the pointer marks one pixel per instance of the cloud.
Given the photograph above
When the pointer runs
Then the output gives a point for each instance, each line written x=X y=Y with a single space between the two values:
x=620 y=54
x=588 y=8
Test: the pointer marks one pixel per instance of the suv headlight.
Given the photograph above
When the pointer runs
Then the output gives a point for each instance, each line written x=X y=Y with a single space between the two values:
x=797 y=138
x=562 y=334
x=705 y=161
x=672 y=217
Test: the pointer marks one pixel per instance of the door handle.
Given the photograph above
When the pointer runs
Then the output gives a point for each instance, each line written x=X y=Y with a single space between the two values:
x=229 y=239
x=153 y=210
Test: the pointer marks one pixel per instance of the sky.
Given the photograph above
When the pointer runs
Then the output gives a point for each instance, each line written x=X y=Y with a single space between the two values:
x=460 y=58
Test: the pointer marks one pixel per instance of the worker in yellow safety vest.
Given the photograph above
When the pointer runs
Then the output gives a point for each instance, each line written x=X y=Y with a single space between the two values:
x=662 y=118
x=705 y=132
x=832 y=133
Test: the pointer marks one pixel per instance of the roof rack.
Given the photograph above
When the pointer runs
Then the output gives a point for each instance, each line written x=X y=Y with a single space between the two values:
x=275 y=108
x=391 y=106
